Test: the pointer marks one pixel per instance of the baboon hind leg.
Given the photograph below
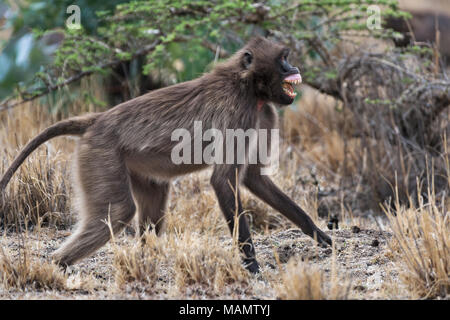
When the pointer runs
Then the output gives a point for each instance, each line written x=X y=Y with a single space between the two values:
x=104 y=187
x=151 y=200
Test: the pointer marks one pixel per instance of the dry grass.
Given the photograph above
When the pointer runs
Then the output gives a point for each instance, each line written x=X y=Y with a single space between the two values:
x=139 y=263
x=25 y=272
x=39 y=189
x=307 y=281
x=324 y=129
x=422 y=246
x=178 y=260
x=206 y=261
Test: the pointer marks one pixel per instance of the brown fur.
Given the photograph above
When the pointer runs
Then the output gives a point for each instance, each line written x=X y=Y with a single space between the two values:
x=123 y=157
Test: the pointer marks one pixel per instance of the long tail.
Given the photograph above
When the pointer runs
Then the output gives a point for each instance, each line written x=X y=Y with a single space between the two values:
x=72 y=126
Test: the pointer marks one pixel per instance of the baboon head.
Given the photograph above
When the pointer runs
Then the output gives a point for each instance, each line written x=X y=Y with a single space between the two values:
x=268 y=71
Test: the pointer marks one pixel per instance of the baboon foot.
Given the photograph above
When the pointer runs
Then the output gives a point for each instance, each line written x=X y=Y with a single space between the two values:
x=63 y=265
x=252 y=266
x=322 y=238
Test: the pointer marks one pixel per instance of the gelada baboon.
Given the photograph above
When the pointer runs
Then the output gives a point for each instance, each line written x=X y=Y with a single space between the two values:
x=123 y=159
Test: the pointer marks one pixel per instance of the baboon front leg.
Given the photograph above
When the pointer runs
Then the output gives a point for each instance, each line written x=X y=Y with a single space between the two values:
x=263 y=187
x=105 y=195
x=151 y=199
x=223 y=180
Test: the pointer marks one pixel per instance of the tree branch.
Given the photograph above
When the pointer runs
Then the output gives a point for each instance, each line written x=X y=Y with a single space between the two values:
x=4 y=105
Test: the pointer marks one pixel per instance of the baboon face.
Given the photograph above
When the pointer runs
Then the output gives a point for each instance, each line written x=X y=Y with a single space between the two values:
x=273 y=75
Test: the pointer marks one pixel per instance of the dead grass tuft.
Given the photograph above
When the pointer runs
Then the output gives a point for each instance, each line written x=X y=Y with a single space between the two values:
x=188 y=259
x=306 y=281
x=140 y=263
x=422 y=246
x=25 y=272
x=206 y=261
x=38 y=192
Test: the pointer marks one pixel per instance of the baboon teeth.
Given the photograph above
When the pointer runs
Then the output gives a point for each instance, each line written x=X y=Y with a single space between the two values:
x=288 y=89
x=288 y=82
x=295 y=78
x=293 y=81
x=291 y=94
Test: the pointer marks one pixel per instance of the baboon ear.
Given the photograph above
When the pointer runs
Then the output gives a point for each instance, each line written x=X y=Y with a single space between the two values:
x=248 y=58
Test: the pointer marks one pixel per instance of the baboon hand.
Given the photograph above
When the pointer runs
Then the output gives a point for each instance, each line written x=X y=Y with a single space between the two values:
x=322 y=238
x=252 y=265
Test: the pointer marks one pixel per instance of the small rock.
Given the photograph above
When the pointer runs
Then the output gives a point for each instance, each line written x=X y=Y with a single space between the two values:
x=333 y=223
x=328 y=251
x=359 y=288
x=375 y=243
x=130 y=231
x=270 y=265
x=356 y=229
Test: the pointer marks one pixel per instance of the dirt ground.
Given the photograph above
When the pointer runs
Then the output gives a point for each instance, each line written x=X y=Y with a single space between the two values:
x=362 y=255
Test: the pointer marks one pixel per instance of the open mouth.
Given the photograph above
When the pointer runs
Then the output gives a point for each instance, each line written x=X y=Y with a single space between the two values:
x=288 y=82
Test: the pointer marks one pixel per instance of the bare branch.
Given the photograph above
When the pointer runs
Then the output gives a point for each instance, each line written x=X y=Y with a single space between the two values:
x=4 y=105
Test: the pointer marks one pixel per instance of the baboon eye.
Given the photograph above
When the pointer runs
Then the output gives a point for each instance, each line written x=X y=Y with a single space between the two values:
x=284 y=64
x=248 y=58
x=285 y=55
